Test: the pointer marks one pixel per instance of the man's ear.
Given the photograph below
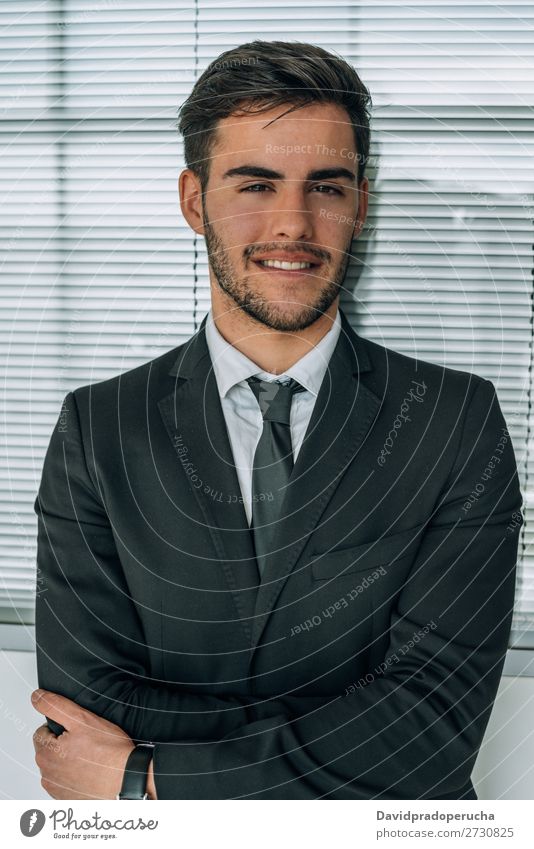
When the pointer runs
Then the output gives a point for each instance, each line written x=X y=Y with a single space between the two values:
x=363 y=201
x=191 y=200
x=358 y=227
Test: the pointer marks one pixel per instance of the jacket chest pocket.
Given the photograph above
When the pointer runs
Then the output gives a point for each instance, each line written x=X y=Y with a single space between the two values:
x=361 y=583
x=380 y=555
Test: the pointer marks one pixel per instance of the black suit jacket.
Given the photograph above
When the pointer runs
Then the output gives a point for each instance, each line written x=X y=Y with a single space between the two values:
x=366 y=663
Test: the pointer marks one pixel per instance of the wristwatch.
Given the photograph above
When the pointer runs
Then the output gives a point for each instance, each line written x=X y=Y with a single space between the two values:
x=136 y=772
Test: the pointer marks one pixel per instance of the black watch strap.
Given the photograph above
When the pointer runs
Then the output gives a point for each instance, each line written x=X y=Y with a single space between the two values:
x=136 y=772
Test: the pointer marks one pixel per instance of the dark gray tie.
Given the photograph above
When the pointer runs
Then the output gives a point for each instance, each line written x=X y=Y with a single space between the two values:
x=273 y=459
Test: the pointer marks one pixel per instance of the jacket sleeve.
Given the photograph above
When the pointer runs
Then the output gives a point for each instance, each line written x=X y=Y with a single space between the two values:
x=413 y=731
x=90 y=642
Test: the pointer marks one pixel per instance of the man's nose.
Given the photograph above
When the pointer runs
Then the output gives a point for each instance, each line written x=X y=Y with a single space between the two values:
x=291 y=218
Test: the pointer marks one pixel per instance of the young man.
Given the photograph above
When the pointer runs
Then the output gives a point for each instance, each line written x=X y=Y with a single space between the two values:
x=296 y=589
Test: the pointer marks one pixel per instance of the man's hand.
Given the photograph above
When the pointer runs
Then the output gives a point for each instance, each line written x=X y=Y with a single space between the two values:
x=85 y=762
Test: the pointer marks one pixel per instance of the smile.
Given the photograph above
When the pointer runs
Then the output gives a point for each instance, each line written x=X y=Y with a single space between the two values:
x=284 y=265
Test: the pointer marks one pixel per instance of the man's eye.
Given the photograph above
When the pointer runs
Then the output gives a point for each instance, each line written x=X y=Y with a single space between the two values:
x=322 y=188
x=255 y=187
x=326 y=190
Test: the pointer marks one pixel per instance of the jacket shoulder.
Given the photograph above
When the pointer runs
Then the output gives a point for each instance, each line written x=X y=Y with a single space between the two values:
x=394 y=367
x=133 y=381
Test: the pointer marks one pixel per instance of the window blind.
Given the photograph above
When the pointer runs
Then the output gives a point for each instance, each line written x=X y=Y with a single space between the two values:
x=101 y=273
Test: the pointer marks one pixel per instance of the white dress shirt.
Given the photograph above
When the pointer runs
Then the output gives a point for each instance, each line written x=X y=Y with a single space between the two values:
x=241 y=410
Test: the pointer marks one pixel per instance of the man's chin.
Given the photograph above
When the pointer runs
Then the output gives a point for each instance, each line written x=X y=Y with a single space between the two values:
x=288 y=318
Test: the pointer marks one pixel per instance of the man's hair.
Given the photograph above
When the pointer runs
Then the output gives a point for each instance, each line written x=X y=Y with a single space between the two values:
x=261 y=75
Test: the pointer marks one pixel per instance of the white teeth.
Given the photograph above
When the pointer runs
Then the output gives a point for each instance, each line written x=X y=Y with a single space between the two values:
x=285 y=266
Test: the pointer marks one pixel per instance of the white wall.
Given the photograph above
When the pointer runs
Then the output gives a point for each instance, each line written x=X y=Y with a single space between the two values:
x=19 y=776
x=504 y=769
x=505 y=765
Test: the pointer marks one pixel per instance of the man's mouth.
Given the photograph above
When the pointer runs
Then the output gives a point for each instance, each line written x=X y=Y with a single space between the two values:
x=284 y=265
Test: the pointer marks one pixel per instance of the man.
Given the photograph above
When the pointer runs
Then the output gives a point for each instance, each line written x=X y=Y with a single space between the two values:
x=293 y=590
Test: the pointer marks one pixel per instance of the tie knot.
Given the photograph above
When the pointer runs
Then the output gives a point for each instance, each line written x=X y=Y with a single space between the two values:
x=274 y=398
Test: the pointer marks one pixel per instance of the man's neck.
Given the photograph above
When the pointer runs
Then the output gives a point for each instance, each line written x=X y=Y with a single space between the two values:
x=273 y=351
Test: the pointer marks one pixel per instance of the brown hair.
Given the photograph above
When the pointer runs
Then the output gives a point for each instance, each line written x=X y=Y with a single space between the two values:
x=260 y=75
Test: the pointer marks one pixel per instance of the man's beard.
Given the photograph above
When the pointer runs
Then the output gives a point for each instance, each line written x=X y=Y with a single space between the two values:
x=253 y=303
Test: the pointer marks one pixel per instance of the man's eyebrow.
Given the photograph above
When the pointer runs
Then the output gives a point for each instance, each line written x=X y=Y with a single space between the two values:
x=268 y=174
x=331 y=174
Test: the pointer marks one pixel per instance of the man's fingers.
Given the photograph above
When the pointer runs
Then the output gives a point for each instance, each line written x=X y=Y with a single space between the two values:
x=40 y=736
x=58 y=708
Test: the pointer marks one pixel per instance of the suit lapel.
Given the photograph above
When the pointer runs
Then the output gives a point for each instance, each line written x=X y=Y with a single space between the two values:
x=342 y=415
x=195 y=423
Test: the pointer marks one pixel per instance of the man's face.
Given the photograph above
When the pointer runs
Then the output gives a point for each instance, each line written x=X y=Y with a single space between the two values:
x=281 y=208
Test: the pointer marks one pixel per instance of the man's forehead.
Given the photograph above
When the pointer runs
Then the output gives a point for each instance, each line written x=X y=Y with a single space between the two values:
x=328 y=116
x=306 y=134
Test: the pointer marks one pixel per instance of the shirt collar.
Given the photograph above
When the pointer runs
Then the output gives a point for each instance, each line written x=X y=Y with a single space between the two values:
x=231 y=366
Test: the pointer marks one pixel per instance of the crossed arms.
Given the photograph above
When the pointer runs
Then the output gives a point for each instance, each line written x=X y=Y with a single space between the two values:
x=412 y=732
